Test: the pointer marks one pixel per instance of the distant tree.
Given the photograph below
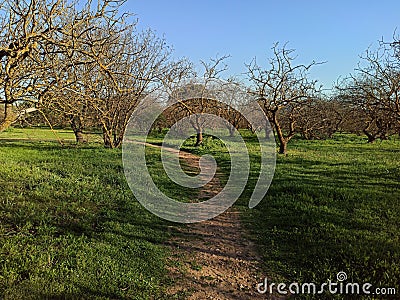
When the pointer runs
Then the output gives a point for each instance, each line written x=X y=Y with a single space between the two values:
x=197 y=97
x=348 y=116
x=320 y=119
x=282 y=89
x=194 y=109
x=235 y=100
x=374 y=93
x=368 y=113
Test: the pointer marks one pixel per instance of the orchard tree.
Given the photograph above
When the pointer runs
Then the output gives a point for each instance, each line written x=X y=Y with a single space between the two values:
x=367 y=111
x=380 y=78
x=32 y=34
x=111 y=69
x=71 y=71
x=140 y=64
x=195 y=97
x=375 y=90
x=282 y=87
x=320 y=119
x=235 y=100
x=192 y=101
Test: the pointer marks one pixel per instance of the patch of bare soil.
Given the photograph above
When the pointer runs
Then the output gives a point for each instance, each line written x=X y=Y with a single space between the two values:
x=219 y=261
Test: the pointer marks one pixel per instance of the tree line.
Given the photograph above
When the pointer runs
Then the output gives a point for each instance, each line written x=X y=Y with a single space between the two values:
x=86 y=65
x=81 y=63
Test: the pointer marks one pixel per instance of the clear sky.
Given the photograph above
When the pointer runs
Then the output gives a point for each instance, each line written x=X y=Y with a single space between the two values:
x=333 y=31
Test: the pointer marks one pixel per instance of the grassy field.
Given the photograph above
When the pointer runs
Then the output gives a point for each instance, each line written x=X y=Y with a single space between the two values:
x=70 y=227
x=332 y=206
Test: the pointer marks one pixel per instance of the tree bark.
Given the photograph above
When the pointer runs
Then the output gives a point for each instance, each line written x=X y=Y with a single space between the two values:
x=8 y=117
x=76 y=125
x=199 y=138
x=281 y=139
x=107 y=138
x=269 y=133
x=371 y=137
x=283 y=147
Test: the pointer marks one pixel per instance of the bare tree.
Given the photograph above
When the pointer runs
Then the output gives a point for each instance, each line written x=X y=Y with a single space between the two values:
x=35 y=33
x=320 y=119
x=282 y=86
x=368 y=112
x=197 y=97
x=74 y=68
x=141 y=63
x=235 y=100
x=375 y=90
x=380 y=78
x=192 y=101
x=83 y=61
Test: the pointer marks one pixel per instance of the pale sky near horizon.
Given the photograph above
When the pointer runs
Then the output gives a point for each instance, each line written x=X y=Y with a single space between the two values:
x=337 y=32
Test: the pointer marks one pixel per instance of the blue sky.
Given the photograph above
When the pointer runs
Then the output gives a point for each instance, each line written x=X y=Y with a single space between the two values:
x=333 y=31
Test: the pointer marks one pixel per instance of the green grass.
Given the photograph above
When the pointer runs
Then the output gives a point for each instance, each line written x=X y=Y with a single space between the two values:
x=70 y=227
x=332 y=206
x=40 y=134
x=164 y=183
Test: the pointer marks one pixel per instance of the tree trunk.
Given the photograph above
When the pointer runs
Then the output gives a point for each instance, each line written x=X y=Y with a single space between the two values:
x=80 y=139
x=107 y=139
x=283 y=147
x=281 y=139
x=8 y=117
x=252 y=129
x=232 y=131
x=112 y=137
x=269 y=133
x=199 y=138
x=282 y=142
x=118 y=138
x=107 y=142
x=371 y=137
x=76 y=125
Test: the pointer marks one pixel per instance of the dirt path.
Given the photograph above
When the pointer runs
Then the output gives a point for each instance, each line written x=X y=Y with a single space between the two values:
x=219 y=262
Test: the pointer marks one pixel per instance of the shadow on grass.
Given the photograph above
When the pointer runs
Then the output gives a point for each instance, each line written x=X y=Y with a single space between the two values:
x=70 y=227
x=324 y=214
